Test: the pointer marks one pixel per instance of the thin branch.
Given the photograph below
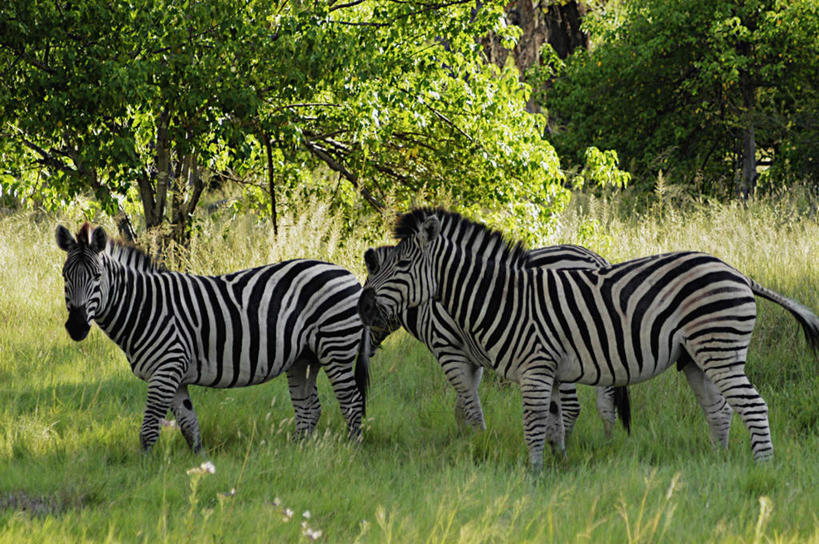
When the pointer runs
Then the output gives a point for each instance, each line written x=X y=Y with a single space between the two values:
x=341 y=169
x=347 y=5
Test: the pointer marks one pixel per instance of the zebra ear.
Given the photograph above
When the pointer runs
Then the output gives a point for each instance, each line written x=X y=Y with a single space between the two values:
x=430 y=229
x=98 y=239
x=65 y=240
x=371 y=261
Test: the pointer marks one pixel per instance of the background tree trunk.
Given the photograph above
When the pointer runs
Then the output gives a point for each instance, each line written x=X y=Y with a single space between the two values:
x=541 y=22
x=748 y=177
x=271 y=182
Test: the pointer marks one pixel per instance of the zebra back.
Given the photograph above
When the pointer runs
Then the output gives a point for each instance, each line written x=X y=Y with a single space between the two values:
x=565 y=256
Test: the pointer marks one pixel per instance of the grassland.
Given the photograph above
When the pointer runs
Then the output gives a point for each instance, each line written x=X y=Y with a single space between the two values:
x=71 y=469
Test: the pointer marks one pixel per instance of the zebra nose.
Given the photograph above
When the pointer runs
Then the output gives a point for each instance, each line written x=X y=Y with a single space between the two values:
x=367 y=307
x=77 y=324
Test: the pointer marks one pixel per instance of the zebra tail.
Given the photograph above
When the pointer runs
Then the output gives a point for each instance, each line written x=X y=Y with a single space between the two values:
x=805 y=317
x=622 y=401
x=362 y=368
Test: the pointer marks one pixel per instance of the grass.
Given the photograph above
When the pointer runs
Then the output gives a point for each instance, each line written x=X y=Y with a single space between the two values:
x=71 y=469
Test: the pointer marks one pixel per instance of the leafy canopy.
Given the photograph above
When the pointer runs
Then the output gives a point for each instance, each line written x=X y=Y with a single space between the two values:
x=672 y=85
x=392 y=95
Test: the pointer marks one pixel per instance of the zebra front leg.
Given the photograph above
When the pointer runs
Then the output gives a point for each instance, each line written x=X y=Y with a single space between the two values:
x=301 y=379
x=717 y=410
x=183 y=411
x=746 y=401
x=465 y=379
x=536 y=389
x=162 y=388
x=349 y=398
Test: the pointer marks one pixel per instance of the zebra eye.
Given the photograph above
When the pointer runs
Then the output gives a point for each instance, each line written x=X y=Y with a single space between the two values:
x=404 y=263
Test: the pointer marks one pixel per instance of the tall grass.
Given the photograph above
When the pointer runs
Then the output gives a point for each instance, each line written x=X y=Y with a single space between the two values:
x=71 y=469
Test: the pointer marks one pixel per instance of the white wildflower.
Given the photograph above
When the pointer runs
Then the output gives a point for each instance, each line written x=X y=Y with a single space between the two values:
x=306 y=514
x=205 y=468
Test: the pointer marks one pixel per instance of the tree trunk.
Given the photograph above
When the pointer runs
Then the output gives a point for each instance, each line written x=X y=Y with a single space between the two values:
x=557 y=23
x=153 y=197
x=749 y=175
x=747 y=180
x=271 y=182
x=185 y=196
x=563 y=22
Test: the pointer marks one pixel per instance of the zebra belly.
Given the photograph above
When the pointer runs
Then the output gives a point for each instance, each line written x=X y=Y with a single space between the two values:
x=612 y=370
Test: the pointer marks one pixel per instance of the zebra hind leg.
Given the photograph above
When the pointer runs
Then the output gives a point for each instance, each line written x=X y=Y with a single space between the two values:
x=605 y=408
x=569 y=407
x=301 y=380
x=717 y=410
x=555 y=429
x=746 y=401
x=349 y=398
x=183 y=411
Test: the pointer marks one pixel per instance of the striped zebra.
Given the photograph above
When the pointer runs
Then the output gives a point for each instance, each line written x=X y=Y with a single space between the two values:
x=617 y=325
x=452 y=347
x=234 y=330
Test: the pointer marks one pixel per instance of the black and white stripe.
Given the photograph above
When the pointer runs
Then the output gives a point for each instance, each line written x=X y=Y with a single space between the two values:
x=461 y=362
x=617 y=325
x=234 y=330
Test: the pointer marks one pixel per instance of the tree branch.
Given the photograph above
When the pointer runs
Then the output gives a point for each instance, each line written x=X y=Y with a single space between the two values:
x=341 y=169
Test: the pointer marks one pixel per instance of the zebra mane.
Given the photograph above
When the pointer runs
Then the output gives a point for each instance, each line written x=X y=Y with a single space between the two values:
x=467 y=234
x=131 y=256
x=84 y=234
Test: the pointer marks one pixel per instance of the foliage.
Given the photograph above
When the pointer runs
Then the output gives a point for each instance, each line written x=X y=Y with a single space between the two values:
x=71 y=467
x=161 y=98
x=600 y=169
x=676 y=85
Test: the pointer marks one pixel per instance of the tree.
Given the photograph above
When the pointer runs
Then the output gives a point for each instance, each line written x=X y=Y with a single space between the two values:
x=159 y=97
x=103 y=96
x=689 y=87
x=552 y=22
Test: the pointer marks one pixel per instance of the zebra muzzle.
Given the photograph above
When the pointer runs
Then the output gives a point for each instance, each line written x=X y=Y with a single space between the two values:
x=77 y=324
x=368 y=309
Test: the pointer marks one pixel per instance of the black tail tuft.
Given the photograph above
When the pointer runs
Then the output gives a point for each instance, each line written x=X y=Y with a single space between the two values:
x=805 y=317
x=362 y=368
x=622 y=401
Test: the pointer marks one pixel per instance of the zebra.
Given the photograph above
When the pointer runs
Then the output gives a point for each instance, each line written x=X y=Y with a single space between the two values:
x=234 y=330
x=450 y=345
x=617 y=325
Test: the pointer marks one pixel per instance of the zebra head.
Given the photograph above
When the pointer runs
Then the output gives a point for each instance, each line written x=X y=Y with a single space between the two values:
x=401 y=276
x=381 y=323
x=82 y=272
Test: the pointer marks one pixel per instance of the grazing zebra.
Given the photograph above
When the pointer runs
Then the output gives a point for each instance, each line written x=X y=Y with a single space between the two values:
x=617 y=325
x=450 y=345
x=234 y=330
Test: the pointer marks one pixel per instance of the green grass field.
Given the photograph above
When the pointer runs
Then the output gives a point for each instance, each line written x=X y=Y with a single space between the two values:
x=71 y=469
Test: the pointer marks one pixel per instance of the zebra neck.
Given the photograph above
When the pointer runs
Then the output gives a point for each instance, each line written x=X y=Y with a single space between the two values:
x=117 y=298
